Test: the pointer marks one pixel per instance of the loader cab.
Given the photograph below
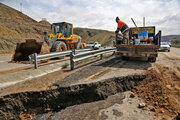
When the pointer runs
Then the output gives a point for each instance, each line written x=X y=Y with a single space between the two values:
x=65 y=28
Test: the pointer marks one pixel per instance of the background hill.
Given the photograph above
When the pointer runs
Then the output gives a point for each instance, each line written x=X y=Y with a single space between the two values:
x=171 y=37
x=102 y=36
x=16 y=27
x=174 y=39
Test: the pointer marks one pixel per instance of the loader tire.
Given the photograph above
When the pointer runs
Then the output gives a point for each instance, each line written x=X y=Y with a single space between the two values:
x=153 y=59
x=79 y=46
x=125 y=58
x=59 y=46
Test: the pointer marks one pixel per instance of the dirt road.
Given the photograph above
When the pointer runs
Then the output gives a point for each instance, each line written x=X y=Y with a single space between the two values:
x=5 y=65
x=111 y=67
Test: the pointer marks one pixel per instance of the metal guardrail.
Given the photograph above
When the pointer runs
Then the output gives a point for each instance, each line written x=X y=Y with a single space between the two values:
x=81 y=50
x=50 y=55
x=81 y=56
x=75 y=55
x=38 y=57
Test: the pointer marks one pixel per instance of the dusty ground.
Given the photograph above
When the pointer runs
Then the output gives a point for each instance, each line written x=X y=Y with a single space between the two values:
x=115 y=107
x=162 y=90
x=6 y=66
x=167 y=64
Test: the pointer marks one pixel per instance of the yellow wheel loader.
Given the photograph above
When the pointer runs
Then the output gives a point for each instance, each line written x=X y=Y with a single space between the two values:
x=61 y=39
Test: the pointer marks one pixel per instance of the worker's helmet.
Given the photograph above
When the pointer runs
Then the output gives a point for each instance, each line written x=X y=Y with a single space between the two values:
x=117 y=18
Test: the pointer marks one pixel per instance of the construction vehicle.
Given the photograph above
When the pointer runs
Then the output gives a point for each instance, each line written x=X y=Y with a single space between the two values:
x=61 y=39
x=94 y=45
x=146 y=45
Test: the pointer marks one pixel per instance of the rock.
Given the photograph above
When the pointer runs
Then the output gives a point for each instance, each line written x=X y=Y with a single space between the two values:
x=132 y=95
x=169 y=87
x=162 y=111
x=141 y=105
x=151 y=108
x=170 y=110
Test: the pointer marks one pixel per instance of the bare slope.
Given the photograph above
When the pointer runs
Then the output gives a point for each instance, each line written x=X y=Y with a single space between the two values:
x=102 y=36
x=16 y=27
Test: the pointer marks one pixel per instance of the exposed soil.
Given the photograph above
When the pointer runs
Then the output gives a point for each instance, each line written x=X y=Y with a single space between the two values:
x=116 y=107
x=28 y=104
x=161 y=88
x=16 y=27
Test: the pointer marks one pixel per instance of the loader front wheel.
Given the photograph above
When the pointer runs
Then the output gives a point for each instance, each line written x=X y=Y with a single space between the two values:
x=153 y=59
x=59 y=46
x=79 y=46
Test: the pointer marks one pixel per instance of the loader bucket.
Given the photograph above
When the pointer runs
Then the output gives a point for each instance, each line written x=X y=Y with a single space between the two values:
x=23 y=50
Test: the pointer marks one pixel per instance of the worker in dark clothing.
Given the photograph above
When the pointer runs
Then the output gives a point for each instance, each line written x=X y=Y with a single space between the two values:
x=124 y=29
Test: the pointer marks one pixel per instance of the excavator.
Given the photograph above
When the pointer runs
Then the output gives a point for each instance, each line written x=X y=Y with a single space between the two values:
x=61 y=39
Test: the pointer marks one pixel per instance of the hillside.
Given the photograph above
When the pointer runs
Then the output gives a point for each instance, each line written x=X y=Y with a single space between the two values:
x=16 y=27
x=174 y=39
x=170 y=37
x=102 y=36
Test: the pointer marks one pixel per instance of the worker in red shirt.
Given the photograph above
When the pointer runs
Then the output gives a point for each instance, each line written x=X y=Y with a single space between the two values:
x=124 y=29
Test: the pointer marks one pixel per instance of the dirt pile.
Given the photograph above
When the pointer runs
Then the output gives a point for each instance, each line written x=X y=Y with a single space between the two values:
x=161 y=88
x=28 y=104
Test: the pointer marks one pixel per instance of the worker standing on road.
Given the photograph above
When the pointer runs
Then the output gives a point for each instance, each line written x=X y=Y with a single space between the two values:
x=123 y=27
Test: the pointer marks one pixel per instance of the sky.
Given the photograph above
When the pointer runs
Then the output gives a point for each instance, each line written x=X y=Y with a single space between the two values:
x=101 y=14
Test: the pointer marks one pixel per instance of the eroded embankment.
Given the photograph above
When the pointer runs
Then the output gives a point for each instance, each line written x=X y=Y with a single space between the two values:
x=161 y=89
x=27 y=104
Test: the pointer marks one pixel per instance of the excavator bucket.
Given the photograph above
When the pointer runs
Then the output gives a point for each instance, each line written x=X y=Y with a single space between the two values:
x=23 y=50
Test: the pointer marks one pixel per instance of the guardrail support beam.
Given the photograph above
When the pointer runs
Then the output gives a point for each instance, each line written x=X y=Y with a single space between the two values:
x=35 y=61
x=114 y=53
x=101 y=56
x=74 y=51
x=71 y=60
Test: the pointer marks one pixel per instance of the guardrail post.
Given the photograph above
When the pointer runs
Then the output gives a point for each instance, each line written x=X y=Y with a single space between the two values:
x=114 y=53
x=35 y=61
x=101 y=56
x=71 y=60
x=74 y=51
